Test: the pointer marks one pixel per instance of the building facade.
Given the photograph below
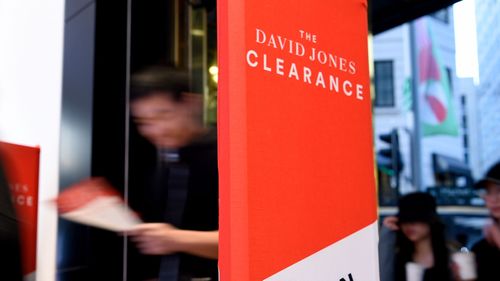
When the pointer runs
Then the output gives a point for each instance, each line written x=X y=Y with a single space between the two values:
x=393 y=108
x=488 y=40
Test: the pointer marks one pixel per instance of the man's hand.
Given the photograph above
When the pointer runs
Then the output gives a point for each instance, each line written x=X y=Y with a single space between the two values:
x=165 y=239
x=157 y=238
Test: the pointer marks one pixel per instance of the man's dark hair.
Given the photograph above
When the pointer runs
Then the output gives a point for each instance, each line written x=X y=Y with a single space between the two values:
x=165 y=80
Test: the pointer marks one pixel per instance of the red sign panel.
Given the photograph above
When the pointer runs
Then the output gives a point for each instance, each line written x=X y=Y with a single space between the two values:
x=22 y=166
x=297 y=184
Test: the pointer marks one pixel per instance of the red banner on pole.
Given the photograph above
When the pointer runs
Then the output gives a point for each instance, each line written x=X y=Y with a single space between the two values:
x=21 y=164
x=297 y=185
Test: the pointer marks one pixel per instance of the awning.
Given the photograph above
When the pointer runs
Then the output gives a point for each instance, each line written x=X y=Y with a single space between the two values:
x=443 y=164
x=387 y=14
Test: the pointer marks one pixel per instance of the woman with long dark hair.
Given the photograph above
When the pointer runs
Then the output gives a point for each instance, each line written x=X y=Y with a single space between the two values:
x=420 y=240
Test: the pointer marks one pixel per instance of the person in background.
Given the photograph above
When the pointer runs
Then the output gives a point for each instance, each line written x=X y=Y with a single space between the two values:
x=487 y=250
x=182 y=207
x=10 y=252
x=416 y=235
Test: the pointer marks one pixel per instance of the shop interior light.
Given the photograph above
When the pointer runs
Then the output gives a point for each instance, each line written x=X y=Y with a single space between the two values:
x=198 y=32
x=214 y=70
